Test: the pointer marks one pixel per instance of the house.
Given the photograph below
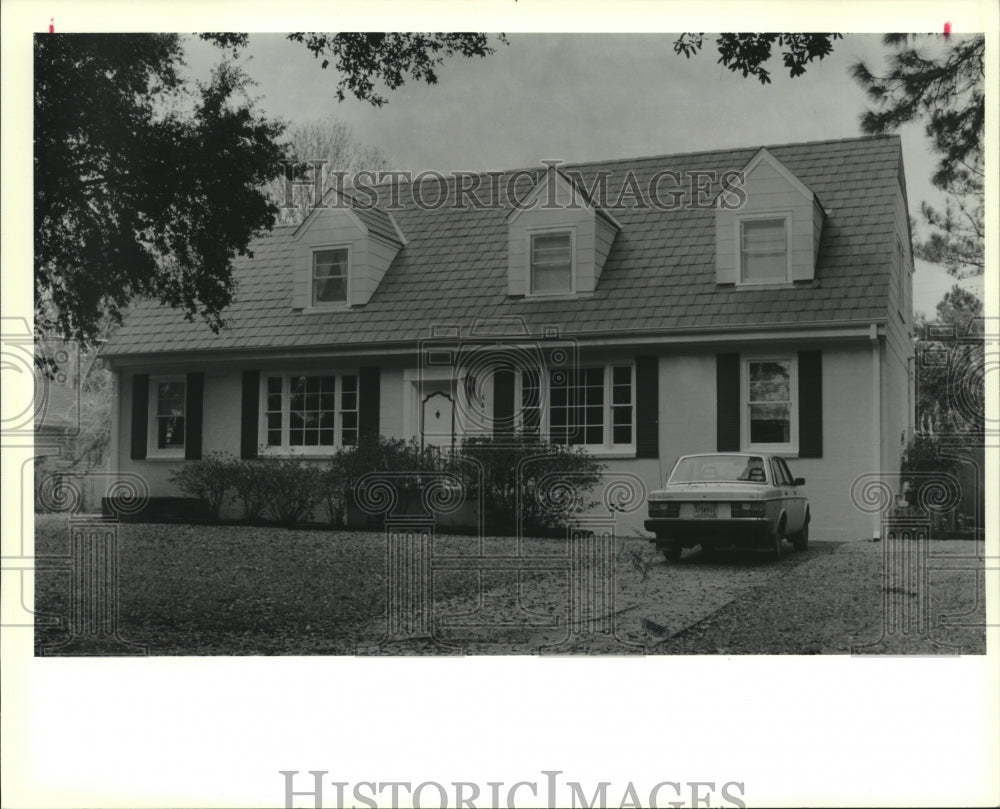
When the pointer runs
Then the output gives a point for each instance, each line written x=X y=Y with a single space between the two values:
x=643 y=308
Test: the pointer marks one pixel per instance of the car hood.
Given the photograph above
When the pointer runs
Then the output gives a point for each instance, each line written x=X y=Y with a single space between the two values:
x=712 y=491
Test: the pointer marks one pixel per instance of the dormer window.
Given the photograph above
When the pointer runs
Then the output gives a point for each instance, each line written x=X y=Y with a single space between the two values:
x=329 y=276
x=552 y=263
x=763 y=250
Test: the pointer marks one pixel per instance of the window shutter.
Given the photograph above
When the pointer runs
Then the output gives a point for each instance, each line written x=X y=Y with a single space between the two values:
x=727 y=390
x=369 y=391
x=249 y=414
x=810 y=404
x=193 y=393
x=140 y=415
x=647 y=407
x=503 y=402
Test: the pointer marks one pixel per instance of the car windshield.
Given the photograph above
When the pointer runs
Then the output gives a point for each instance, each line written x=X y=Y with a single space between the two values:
x=725 y=468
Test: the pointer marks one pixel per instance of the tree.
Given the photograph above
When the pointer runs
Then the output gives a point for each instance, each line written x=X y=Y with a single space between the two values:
x=749 y=53
x=327 y=140
x=950 y=374
x=939 y=80
x=143 y=186
x=362 y=59
x=148 y=187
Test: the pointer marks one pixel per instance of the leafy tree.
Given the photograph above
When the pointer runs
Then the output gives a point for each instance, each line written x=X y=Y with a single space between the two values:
x=950 y=374
x=327 y=140
x=364 y=58
x=749 y=53
x=146 y=186
x=143 y=186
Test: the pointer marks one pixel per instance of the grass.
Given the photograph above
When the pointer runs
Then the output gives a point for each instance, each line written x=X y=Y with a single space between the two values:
x=202 y=590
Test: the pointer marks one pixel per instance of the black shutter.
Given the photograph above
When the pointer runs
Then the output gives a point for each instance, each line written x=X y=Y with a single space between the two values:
x=810 y=404
x=193 y=392
x=727 y=391
x=369 y=391
x=503 y=402
x=140 y=415
x=249 y=414
x=647 y=407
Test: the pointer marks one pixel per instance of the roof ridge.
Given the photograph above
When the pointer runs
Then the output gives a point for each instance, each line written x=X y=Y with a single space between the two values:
x=450 y=176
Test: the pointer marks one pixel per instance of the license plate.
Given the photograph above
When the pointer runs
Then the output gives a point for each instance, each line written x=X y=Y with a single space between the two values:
x=705 y=510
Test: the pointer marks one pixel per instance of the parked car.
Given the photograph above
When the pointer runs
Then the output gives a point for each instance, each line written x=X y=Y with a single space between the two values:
x=744 y=499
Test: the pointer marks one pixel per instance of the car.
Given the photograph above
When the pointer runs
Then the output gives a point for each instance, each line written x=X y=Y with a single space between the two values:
x=722 y=499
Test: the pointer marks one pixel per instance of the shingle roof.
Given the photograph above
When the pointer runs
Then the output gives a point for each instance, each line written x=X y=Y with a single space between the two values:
x=659 y=274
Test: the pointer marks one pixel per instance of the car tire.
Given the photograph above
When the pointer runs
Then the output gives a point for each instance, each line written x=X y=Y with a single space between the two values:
x=778 y=541
x=707 y=551
x=672 y=553
x=801 y=540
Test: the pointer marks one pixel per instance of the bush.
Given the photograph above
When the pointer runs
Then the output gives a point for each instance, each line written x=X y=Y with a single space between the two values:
x=249 y=481
x=294 y=487
x=380 y=454
x=209 y=479
x=546 y=484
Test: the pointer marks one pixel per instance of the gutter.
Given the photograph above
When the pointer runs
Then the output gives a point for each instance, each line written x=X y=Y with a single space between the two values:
x=873 y=338
x=693 y=335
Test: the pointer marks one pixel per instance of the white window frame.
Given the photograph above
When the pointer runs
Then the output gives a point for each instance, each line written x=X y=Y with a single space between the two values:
x=313 y=303
x=545 y=402
x=152 y=419
x=285 y=449
x=751 y=217
x=529 y=235
x=791 y=447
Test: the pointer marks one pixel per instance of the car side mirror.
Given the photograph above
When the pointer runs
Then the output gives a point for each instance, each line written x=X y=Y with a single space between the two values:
x=800 y=482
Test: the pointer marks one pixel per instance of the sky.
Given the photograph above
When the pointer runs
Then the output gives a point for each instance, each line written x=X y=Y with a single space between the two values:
x=583 y=97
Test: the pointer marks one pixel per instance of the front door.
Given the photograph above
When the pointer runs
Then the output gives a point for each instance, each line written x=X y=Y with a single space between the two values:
x=437 y=418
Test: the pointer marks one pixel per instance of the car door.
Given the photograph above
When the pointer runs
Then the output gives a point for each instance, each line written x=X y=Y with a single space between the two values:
x=795 y=500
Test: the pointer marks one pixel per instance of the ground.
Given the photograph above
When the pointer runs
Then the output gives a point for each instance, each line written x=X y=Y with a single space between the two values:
x=224 y=590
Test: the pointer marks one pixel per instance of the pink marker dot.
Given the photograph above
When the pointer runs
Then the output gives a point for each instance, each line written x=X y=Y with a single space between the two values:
x=947 y=30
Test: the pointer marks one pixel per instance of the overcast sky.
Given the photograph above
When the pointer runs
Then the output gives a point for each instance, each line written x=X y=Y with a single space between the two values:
x=580 y=97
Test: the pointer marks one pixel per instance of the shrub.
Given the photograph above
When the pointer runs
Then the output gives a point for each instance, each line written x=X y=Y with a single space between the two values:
x=381 y=454
x=546 y=484
x=209 y=479
x=249 y=481
x=293 y=489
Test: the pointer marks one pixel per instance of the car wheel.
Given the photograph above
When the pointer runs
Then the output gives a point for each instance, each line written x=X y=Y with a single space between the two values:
x=707 y=551
x=672 y=552
x=801 y=540
x=779 y=536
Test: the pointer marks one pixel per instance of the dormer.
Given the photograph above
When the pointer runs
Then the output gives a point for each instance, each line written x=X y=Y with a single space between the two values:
x=773 y=237
x=341 y=253
x=558 y=240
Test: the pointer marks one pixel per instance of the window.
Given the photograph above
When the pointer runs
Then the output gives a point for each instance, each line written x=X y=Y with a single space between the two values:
x=166 y=425
x=551 y=263
x=310 y=412
x=329 y=276
x=591 y=407
x=770 y=410
x=763 y=250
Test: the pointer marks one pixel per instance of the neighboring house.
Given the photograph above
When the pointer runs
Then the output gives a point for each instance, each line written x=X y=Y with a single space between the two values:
x=778 y=318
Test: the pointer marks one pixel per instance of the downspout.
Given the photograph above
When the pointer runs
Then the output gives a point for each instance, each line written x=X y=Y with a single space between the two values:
x=116 y=404
x=877 y=416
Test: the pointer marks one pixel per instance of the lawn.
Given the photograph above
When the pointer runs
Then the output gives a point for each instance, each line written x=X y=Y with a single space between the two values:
x=203 y=590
